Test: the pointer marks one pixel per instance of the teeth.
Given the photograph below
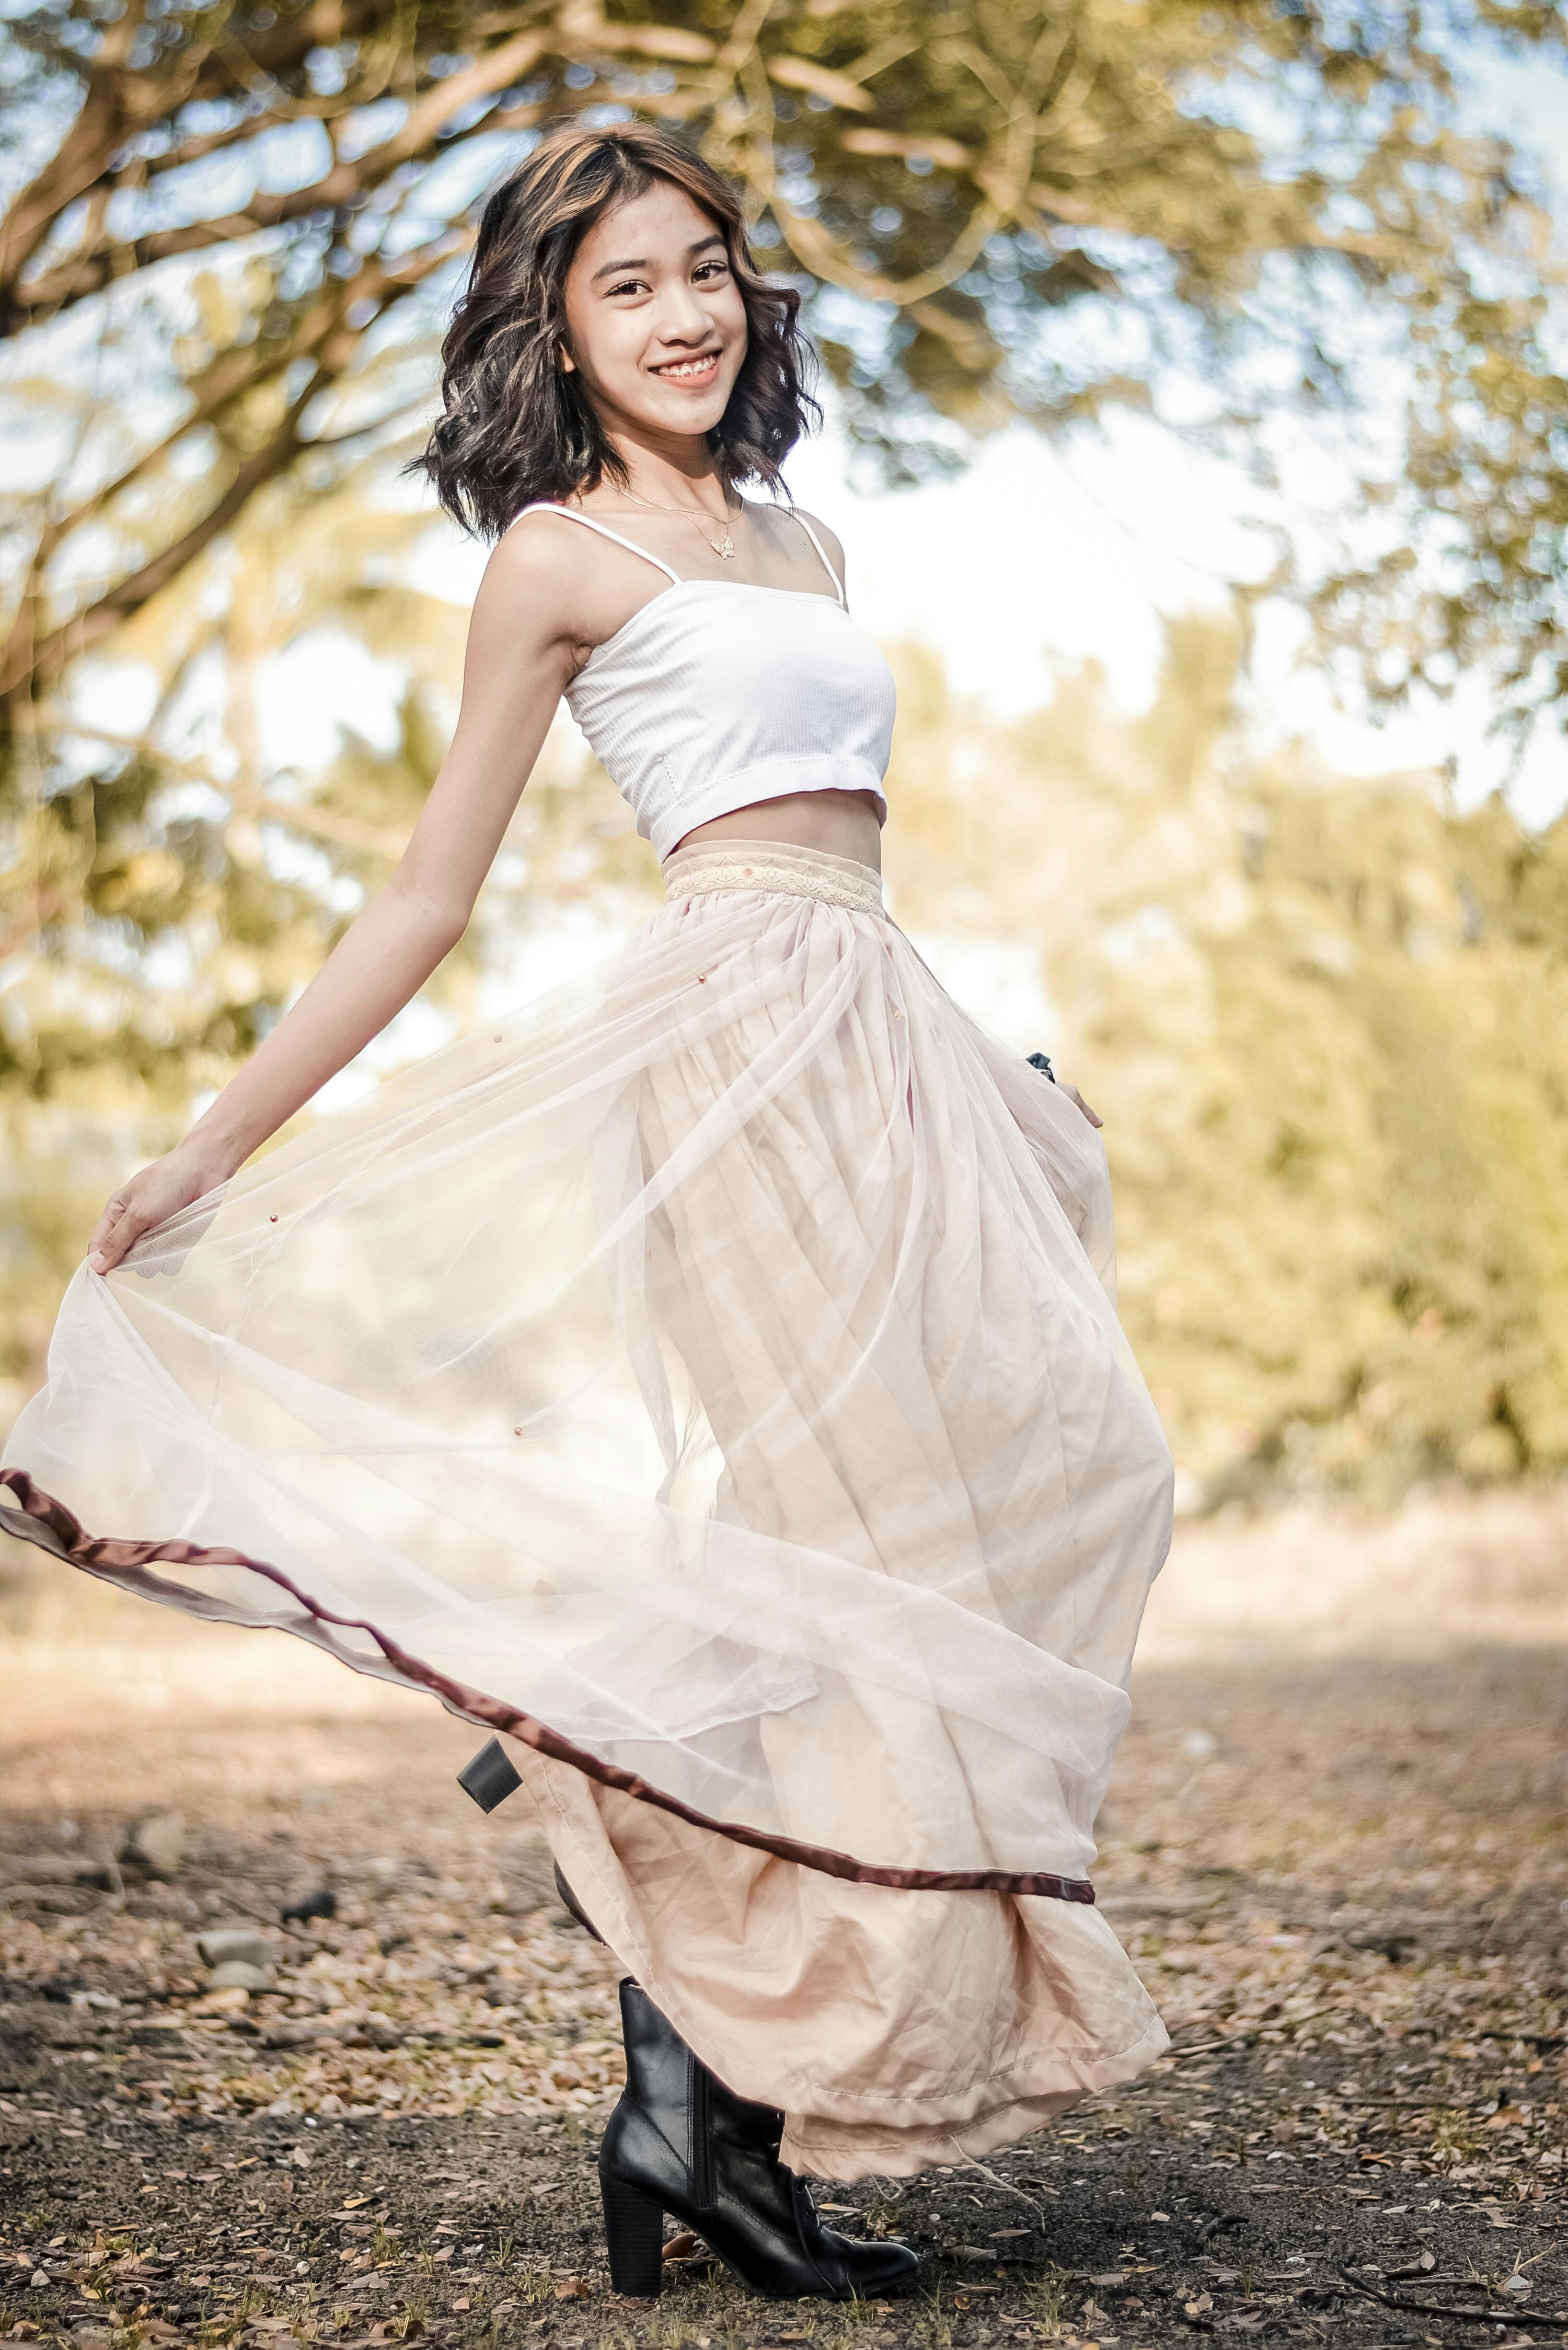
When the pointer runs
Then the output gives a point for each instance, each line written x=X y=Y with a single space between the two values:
x=690 y=367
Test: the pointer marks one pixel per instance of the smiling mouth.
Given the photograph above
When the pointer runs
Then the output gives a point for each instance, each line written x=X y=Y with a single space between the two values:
x=697 y=369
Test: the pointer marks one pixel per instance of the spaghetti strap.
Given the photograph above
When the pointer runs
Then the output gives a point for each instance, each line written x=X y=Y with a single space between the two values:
x=838 y=582
x=546 y=505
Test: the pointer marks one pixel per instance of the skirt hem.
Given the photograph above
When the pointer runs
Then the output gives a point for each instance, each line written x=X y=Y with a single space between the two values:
x=46 y=1523
x=859 y=2152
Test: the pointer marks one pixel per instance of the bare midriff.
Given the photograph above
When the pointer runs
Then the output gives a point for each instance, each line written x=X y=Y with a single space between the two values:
x=841 y=824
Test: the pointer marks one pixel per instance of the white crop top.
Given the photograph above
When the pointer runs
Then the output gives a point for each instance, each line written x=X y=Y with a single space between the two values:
x=716 y=694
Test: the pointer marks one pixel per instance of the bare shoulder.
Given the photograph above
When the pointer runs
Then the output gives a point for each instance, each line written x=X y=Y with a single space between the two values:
x=571 y=584
x=832 y=543
x=540 y=555
x=535 y=604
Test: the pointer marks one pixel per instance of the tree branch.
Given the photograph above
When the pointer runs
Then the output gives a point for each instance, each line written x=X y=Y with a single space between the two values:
x=120 y=103
x=46 y=656
x=347 y=831
x=26 y=658
x=230 y=375
x=89 y=270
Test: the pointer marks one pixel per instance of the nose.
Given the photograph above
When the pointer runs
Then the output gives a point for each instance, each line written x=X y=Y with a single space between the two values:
x=681 y=316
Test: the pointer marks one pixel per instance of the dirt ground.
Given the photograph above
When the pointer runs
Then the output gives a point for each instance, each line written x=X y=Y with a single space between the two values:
x=1344 y=1877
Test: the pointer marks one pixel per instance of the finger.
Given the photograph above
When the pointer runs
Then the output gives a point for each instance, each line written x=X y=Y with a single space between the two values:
x=103 y=1232
x=119 y=1243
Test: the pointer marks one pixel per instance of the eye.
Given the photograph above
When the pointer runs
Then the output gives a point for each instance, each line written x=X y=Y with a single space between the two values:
x=627 y=285
x=711 y=269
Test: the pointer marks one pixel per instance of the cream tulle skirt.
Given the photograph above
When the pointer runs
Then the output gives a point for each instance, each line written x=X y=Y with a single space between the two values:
x=709 y=1379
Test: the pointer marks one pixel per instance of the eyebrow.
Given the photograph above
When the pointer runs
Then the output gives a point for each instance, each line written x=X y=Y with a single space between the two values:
x=613 y=268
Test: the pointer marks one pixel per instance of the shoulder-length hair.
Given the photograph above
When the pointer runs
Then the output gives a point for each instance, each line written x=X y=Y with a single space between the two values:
x=516 y=427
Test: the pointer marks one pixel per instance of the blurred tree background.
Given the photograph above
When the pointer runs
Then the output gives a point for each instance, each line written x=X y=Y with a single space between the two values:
x=1329 y=1013
x=1328 y=1023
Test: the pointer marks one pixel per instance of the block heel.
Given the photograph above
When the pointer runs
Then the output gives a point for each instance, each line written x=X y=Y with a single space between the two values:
x=634 y=2231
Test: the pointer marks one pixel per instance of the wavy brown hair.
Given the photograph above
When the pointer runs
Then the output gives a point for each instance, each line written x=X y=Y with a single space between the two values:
x=516 y=426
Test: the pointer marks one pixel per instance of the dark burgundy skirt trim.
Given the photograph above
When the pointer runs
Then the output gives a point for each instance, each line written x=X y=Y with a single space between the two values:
x=41 y=1520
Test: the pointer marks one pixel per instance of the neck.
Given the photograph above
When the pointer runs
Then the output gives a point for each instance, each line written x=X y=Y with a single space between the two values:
x=670 y=469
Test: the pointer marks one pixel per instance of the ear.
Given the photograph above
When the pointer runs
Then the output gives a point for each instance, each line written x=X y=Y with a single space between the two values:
x=568 y=364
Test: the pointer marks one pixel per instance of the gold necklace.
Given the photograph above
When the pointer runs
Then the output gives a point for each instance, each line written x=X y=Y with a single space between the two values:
x=700 y=523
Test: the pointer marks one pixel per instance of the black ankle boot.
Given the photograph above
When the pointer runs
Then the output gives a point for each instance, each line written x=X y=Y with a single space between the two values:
x=678 y=2141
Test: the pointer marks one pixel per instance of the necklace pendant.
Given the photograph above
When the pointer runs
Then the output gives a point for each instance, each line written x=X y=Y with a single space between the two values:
x=726 y=547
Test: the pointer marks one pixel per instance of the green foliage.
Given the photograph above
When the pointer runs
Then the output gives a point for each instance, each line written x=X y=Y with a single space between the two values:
x=1325 y=1021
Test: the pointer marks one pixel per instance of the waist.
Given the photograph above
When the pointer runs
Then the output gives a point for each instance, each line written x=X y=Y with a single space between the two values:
x=672 y=796
x=773 y=869
x=841 y=823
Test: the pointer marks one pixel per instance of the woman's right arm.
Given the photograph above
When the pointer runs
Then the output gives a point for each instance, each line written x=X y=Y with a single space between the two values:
x=522 y=644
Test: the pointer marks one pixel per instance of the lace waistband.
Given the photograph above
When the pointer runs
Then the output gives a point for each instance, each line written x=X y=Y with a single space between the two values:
x=776 y=871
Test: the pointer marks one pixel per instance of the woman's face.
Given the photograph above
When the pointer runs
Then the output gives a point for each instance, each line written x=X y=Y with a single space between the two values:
x=657 y=325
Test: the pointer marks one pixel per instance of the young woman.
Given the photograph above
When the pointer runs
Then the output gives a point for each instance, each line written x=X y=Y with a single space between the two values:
x=709 y=1378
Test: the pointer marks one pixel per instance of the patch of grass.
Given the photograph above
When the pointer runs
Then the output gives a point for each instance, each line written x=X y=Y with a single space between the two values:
x=620 y=2337
x=934 y=2325
x=735 y=2333
x=536 y=2284
x=710 y=2299
x=884 y=2215
x=850 y=2323
x=666 y=2329
x=1047 y=2298
x=669 y=2329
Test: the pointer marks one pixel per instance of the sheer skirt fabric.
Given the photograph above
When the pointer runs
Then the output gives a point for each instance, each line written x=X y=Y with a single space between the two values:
x=711 y=1376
